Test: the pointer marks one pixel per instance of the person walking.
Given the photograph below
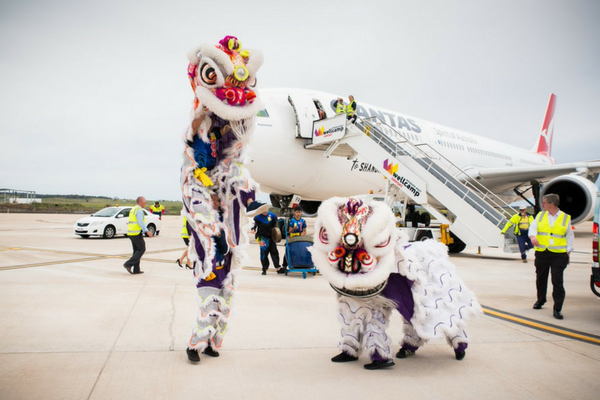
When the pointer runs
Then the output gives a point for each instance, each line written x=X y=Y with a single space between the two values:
x=135 y=231
x=522 y=220
x=263 y=226
x=552 y=236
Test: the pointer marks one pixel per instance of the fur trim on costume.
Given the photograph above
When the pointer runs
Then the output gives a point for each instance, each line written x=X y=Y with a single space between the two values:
x=419 y=278
x=223 y=77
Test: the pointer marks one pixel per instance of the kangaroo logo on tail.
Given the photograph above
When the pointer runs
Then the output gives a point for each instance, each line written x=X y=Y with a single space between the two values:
x=544 y=142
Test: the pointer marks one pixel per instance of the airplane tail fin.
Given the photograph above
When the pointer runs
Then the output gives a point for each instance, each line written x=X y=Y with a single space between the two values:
x=543 y=145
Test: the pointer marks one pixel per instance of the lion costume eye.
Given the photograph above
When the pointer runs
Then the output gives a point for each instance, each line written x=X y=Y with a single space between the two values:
x=323 y=236
x=208 y=74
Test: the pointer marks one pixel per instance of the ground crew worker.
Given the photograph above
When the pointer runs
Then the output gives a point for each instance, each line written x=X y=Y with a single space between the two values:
x=351 y=110
x=551 y=234
x=521 y=221
x=136 y=228
x=340 y=108
x=157 y=209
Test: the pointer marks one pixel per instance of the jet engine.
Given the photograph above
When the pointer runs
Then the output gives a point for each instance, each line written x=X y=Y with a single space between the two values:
x=577 y=196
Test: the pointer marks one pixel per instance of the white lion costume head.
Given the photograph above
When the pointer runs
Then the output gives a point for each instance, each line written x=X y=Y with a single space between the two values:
x=223 y=77
x=354 y=245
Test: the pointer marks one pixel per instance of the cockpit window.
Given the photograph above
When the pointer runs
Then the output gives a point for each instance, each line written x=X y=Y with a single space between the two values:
x=263 y=113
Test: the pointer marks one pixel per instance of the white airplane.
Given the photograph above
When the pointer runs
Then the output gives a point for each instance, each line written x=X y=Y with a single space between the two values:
x=283 y=162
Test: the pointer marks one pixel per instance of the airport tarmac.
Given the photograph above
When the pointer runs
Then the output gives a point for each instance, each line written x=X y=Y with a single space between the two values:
x=75 y=325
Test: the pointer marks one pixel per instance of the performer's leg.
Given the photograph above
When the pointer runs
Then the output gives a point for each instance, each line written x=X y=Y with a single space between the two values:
x=375 y=340
x=410 y=343
x=350 y=317
x=206 y=321
x=274 y=254
x=264 y=244
x=459 y=343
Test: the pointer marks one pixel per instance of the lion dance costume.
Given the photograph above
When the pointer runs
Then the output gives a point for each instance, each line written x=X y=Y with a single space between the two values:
x=374 y=270
x=216 y=187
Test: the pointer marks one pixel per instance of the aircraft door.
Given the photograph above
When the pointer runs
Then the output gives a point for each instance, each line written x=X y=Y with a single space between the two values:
x=306 y=113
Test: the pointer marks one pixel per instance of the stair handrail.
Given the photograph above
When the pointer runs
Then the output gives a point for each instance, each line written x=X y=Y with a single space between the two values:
x=375 y=123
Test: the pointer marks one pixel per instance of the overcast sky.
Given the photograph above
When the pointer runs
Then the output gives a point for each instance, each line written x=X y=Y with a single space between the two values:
x=94 y=96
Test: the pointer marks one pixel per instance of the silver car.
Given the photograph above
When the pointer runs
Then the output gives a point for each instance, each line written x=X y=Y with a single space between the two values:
x=112 y=221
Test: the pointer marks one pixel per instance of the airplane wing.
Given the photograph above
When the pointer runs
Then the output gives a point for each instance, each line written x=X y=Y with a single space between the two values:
x=511 y=177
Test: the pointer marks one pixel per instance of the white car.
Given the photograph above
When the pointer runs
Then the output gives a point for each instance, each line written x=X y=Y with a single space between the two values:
x=111 y=221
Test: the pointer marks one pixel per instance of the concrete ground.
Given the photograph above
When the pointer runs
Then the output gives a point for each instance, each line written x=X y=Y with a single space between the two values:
x=75 y=325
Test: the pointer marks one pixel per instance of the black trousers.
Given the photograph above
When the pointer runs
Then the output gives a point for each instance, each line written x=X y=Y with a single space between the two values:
x=271 y=249
x=139 y=248
x=548 y=262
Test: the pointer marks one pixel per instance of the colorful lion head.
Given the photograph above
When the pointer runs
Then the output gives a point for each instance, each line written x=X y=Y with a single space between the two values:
x=354 y=245
x=223 y=77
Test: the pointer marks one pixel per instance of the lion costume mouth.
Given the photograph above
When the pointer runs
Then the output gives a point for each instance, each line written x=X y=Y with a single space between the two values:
x=363 y=293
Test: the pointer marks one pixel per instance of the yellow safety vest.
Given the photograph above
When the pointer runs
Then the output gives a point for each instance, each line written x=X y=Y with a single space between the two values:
x=516 y=221
x=340 y=109
x=133 y=228
x=157 y=209
x=351 y=108
x=552 y=238
x=184 y=231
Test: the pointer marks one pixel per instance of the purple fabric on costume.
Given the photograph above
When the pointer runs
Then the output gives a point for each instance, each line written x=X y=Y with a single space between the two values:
x=407 y=346
x=461 y=347
x=220 y=274
x=245 y=196
x=398 y=290
x=376 y=357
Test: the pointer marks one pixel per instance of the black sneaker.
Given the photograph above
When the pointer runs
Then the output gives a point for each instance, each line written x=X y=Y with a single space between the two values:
x=343 y=357
x=459 y=356
x=403 y=353
x=380 y=364
x=256 y=208
x=264 y=273
x=192 y=355
x=281 y=270
x=210 y=352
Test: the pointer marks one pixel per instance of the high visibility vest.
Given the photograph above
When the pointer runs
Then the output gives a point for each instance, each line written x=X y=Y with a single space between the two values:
x=133 y=228
x=340 y=109
x=516 y=221
x=184 y=231
x=552 y=238
x=351 y=108
x=157 y=209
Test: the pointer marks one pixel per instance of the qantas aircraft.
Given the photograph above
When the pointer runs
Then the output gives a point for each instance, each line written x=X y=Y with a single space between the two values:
x=287 y=164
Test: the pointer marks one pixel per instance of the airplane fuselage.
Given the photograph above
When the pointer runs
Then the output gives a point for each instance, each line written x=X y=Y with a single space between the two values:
x=281 y=163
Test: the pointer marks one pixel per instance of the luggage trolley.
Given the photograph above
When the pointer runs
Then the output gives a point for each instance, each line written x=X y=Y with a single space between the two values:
x=297 y=254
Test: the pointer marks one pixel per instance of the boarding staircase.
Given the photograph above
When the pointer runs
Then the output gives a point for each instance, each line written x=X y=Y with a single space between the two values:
x=426 y=177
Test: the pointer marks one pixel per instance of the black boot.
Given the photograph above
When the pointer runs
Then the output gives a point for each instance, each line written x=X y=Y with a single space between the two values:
x=192 y=355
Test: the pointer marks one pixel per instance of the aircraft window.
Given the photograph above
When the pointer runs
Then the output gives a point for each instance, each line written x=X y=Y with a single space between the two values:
x=263 y=113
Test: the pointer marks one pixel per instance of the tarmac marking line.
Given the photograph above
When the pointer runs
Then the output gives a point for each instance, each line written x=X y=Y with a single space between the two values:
x=92 y=257
x=557 y=330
